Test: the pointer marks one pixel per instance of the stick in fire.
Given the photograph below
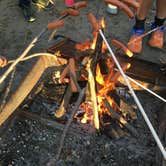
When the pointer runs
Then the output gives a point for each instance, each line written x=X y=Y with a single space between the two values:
x=128 y=84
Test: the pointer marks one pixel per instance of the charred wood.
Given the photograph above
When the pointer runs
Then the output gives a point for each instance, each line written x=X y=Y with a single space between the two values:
x=119 y=118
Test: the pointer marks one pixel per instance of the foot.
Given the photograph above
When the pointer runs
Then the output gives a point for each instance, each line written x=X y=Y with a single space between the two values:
x=135 y=42
x=28 y=14
x=44 y=4
x=157 y=37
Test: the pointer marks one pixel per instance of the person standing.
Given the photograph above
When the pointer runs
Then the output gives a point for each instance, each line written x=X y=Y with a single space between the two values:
x=157 y=37
x=26 y=6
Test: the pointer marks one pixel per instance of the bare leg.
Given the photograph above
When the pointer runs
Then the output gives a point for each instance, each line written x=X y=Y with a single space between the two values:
x=144 y=8
x=161 y=9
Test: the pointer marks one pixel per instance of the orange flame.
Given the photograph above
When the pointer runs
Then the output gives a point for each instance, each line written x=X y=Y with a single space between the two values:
x=102 y=22
x=93 y=45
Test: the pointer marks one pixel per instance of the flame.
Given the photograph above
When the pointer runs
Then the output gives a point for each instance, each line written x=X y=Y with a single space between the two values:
x=93 y=45
x=102 y=22
x=129 y=53
x=104 y=47
x=104 y=84
x=83 y=46
x=128 y=65
x=88 y=116
x=99 y=77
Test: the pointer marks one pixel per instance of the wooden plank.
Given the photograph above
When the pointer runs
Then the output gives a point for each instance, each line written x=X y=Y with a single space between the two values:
x=26 y=86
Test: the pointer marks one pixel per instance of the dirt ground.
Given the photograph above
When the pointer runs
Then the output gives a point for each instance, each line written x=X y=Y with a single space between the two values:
x=15 y=35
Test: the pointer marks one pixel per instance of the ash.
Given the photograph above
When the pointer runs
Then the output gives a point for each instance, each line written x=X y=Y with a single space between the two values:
x=29 y=142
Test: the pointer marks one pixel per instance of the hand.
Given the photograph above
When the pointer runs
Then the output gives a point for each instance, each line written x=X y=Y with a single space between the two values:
x=3 y=61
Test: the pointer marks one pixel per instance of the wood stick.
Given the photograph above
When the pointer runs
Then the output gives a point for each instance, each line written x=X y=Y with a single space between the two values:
x=119 y=118
x=26 y=86
x=68 y=93
x=91 y=81
x=77 y=104
x=65 y=102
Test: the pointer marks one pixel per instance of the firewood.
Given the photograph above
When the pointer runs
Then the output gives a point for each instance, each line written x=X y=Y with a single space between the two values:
x=110 y=131
x=26 y=86
x=91 y=81
x=77 y=104
x=68 y=93
x=119 y=118
x=65 y=102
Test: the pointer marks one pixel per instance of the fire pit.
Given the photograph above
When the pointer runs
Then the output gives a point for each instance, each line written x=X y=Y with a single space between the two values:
x=91 y=99
x=34 y=130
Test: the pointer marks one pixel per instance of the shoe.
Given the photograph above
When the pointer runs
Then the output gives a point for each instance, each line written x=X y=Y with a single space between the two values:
x=135 y=42
x=27 y=12
x=44 y=4
x=157 y=37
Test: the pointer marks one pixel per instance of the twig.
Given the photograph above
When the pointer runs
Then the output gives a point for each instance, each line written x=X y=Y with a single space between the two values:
x=79 y=100
x=30 y=46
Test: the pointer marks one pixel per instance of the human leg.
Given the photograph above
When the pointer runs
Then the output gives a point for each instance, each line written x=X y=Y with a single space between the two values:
x=157 y=37
x=25 y=5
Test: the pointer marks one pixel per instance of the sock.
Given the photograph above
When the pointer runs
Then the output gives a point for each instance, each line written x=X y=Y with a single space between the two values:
x=159 y=22
x=140 y=24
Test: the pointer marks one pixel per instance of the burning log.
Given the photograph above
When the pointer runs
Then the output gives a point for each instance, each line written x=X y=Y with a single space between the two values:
x=68 y=93
x=143 y=70
x=27 y=85
x=70 y=70
x=91 y=81
x=119 y=118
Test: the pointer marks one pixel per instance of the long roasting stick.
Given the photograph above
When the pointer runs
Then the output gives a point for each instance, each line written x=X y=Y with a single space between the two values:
x=143 y=87
x=79 y=100
x=161 y=147
x=52 y=25
x=148 y=90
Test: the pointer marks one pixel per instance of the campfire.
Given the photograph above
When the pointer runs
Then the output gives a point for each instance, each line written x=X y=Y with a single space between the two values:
x=100 y=107
x=99 y=102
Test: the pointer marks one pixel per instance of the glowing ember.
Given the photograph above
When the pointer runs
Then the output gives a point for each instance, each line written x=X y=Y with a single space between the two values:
x=88 y=115
x=129 y=53
x=83 y=46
